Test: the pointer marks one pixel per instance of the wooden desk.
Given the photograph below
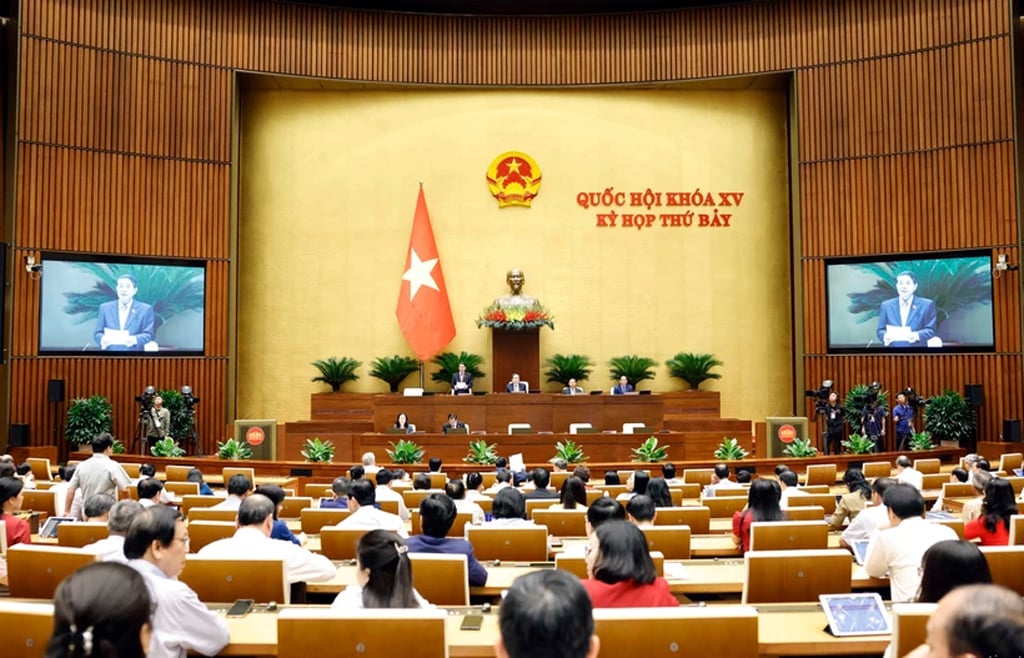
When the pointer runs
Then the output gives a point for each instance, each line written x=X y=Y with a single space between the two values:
x=701 y=577
x=783 y=630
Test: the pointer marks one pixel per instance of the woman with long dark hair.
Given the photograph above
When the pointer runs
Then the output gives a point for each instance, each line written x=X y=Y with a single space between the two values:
x=852 y=503
x=993 y=527
x=621 y=572
x=949 y=564
x=657 y=490
x=574 y=494
x=762 y=505
x=384 y=575
x=103 y=610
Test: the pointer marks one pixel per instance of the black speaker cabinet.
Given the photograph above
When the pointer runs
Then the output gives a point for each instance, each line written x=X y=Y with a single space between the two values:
x=974 y=394
x=1011 y=430
x=19 y=435
x=55 y=390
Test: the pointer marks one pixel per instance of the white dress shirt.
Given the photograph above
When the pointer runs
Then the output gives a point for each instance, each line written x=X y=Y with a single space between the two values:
x=387 y=493
x=181 y=623
x=898 y=552
x=371 y=518
x=231 y=502
x=788 y=493
x=470 y=506
x=912 y=477
x=709 y=491
x=300 y=565
x=867 y=524
x=108 y=549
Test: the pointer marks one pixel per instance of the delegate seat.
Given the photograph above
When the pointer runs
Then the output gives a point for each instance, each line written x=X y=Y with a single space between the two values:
x=723 y=631
x=927 y=466
x=219 y=580
x=441 y=579
x=313 y=520
x=178 y=473
x=562 y=523
x=201 y=533
x=35 y=570
x=697 y=517
x=377 y=633
x=209 y=514
x=182 y=488
x=723 y=507
x=788 y=535
x=1005 y=564
x=909 y=626
x=672 y=541
x=77 y=535
x=795 y=576
x=26 y=627
x=874 y=470
x=820 y=474
x=523 y=544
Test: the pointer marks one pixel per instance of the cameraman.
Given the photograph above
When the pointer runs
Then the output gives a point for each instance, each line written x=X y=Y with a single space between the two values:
x=833 y=425
x=873 y=417
x=903 y=414
x=158 y=423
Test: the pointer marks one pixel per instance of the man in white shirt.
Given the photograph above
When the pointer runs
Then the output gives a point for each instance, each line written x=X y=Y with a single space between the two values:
x=370 y=464
x=363 y=514
x=871 y=519
x=111 y=547
x=385 y=492
x=238 y=488
x=456 y=490
x=252 y=540
x=99 y=474
x=719 y=480
x=899 y=549
x=788 y=483
x=502 y=480
x=907 y=474
x=156 y=546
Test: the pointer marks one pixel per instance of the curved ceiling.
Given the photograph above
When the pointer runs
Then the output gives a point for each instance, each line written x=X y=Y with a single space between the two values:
x=516 y=7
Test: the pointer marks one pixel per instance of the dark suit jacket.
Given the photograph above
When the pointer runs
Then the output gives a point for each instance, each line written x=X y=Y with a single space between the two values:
x=922 y=319
x=576 y=391
x=618 y=390
x=515 y=388
x=467 y=378
x=450 y=546
x=141 y=324
x=541 y=494
x=446 y=426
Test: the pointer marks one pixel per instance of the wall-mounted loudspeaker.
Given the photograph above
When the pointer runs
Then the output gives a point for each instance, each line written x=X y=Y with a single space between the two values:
x=1011 y=430
x=974 y=394
x=55 y=390
x=19 y=435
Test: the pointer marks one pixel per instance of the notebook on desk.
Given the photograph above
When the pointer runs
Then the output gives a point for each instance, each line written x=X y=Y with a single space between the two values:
x=855 y=614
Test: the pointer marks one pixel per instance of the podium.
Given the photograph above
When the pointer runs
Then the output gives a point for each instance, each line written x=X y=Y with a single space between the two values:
x=515 y=352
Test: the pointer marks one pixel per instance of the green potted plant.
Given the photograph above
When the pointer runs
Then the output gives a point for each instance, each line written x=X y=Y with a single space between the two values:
x=949 y=417
x=119 y=448
x=481 y=453
x=448 y=365
x=693 y=368
x=855 y=401
x=181 y=421
x=405 y=451
x=233 y=449
x=335 y=372
x=730 y=450
x=800 y=448
x=859 y=444
x=570 y=451
x=635 y=368
x=87 y=417
x=563 y=367
x=166 y=448
x=393 y=369
x=649 y=451
x=921 y=441
x=315 y=450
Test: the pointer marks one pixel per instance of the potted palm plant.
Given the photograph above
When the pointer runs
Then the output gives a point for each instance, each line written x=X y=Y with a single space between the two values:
x=87 y=417
x=405 y=451
x=317 y=450
x=481 y=452
x=634 y=368
x=448 y=364
x=948 y=417
x=693 y=368
x=570 y=451
x=233 y=449
x=563 y=367
x=800 y=448
x=393 y=369
x=649 y=451
x=334 y=371
x=730 y=450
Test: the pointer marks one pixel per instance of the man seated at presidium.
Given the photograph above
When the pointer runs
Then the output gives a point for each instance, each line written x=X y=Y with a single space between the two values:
x=516 y=386
x=622 y=387
x=906 y=320
x=125 y=324
x=462 y=381
x=572 y=388
x=453 y=424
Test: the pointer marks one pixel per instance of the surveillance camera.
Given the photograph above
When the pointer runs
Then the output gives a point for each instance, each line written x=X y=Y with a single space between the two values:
x=34 y=268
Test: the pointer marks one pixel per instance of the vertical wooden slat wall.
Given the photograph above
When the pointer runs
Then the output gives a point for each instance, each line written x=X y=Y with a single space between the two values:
x=905 y=129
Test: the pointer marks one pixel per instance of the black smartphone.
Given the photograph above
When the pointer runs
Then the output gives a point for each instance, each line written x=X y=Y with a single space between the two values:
x=472 y=622
x=241 y=608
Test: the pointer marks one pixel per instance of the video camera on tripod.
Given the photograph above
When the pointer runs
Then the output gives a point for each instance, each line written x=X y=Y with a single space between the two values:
x=190 y=400
x=820 y=396
x=145 y=401
x=869 y=397
x=915 y=401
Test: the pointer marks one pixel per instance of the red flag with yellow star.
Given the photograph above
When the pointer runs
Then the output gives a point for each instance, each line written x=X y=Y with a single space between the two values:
x=424 y=313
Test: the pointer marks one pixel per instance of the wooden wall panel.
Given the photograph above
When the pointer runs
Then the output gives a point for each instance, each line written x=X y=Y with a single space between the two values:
x=904 y=127
x=120 y=380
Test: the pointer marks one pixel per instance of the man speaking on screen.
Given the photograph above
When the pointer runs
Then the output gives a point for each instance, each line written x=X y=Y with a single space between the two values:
x=907 y=320
x=125 y=324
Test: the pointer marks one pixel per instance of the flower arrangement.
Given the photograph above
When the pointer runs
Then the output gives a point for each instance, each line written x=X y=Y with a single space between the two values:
x=515 y=318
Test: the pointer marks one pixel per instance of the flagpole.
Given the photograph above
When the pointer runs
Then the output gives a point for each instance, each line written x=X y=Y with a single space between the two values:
x=421 y=374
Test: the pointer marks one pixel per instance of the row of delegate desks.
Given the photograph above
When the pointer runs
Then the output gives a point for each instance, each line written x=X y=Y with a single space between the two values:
x=783 y=630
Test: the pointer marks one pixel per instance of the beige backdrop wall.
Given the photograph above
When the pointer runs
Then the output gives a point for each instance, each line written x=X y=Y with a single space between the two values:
x=328 y=184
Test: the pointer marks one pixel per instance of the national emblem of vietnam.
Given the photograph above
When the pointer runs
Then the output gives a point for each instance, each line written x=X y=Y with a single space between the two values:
x=514 y=179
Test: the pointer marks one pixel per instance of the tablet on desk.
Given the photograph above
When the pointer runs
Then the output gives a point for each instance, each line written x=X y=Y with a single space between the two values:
x=860 y=550
x=49 y=529
x=855 y=614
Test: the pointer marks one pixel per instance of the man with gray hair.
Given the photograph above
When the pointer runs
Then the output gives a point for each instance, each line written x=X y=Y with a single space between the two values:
x=370 y=464
x=977 y=621
x=97 y=508
x=252 y=540
x=111 y=548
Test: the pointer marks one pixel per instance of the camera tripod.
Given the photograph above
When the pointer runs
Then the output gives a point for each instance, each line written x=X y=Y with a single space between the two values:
x=193 y=435
x=141 y=435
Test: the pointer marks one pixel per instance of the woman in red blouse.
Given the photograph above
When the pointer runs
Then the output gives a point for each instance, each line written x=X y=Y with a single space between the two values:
x=621 y=572
x=762 y=505
x=993 y=527
x=18 y=531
